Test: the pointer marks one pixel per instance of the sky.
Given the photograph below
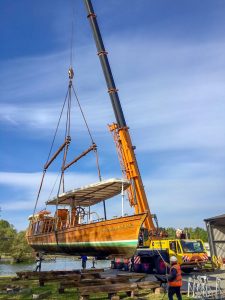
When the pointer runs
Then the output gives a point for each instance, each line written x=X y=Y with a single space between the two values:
x=168 y=61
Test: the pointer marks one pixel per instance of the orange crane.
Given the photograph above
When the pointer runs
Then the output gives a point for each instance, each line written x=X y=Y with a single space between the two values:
x=155 y=247
x=136 y=193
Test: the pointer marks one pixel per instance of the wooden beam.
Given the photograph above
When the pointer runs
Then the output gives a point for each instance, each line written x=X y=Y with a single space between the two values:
x=93 y=147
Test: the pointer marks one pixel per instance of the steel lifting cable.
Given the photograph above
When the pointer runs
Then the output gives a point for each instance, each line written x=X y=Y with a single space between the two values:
x=81 y=110
x=72 y=39
x=52 y=189
x=50 y=151
x=67 y=131
x=68 y=139
x=89 y=132
x=166 y=265
x=57 y=127
x=73 y=18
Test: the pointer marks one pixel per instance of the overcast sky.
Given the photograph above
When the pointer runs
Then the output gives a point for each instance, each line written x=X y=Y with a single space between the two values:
x=168 y=60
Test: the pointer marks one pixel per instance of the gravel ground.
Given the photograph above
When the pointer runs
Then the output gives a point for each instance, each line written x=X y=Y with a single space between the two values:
x=211 y=277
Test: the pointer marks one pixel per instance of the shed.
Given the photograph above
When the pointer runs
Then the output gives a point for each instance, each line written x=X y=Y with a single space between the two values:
x=216 y=233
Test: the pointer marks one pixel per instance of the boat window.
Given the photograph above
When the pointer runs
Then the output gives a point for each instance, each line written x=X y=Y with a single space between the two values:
x=192 y=246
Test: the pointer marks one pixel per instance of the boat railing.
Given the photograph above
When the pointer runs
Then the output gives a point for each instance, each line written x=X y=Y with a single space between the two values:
x=47 y=224
x=62 y=224
x=41 y=225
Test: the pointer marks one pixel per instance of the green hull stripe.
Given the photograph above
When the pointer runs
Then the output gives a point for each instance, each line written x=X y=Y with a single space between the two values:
x=130 y=243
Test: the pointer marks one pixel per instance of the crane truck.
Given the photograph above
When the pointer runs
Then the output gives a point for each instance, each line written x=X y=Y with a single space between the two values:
x=154 y=246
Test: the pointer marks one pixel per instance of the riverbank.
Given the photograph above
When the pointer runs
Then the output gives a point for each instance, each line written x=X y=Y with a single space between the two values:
x=9 y=259
x=60 y=263
x=6 y=260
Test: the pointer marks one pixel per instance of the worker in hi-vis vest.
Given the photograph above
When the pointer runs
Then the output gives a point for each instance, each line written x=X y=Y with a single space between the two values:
x=174 y=279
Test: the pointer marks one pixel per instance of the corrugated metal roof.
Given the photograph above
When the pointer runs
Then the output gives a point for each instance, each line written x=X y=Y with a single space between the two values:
x=219 y=220
x=91 y=194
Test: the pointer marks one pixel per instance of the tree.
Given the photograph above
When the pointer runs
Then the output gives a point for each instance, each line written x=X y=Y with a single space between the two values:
x=14 y=243
x=20 y=249
x=195 y=233
x=171 y=232
x=7 y=235
x=198 y=233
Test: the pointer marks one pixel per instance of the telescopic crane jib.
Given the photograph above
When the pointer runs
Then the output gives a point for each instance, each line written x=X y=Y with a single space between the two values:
x=136 y=193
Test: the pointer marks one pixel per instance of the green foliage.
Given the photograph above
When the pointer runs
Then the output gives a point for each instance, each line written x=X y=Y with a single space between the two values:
x=195 y=233
x=171 y=232
x=198 y=233
x=13 y=243
x=20 y=250
x=7 y=235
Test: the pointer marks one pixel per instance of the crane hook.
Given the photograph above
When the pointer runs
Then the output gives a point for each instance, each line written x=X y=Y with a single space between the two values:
x=71 y=73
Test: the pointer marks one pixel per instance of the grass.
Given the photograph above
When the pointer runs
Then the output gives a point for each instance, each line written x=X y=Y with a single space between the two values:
x=32 y=287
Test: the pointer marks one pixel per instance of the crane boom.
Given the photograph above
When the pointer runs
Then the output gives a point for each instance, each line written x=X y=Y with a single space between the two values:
x=136 y=193
x=105 y=65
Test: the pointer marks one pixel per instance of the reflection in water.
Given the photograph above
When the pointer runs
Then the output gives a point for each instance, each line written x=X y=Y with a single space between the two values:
x=59 y=264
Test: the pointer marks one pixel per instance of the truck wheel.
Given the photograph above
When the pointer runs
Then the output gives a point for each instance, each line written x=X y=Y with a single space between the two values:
x=160 y=266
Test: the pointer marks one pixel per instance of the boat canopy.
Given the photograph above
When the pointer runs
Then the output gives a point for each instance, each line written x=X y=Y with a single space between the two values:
x=91 y=194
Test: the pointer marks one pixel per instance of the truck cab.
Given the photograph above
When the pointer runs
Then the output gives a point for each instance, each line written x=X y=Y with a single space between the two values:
x=190 y=253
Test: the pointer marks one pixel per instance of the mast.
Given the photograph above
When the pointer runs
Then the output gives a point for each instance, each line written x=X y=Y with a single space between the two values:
x=136 y=192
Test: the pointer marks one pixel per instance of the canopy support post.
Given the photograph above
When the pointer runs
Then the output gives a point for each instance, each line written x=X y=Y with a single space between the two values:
x=104 y=210
x=122 y=194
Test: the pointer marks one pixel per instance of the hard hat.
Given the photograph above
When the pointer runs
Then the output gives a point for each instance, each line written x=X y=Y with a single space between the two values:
x=173 y=259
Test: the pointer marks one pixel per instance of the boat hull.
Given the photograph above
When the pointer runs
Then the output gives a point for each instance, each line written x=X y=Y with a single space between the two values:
x=111 y=237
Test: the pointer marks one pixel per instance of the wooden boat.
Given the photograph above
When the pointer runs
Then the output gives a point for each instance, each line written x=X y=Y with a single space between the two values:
x=73 y=231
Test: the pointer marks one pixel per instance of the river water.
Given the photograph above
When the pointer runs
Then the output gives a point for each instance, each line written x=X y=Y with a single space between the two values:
x=58 y=264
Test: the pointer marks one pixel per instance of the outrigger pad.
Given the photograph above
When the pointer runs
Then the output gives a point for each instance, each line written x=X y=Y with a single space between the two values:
x=91 y=194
